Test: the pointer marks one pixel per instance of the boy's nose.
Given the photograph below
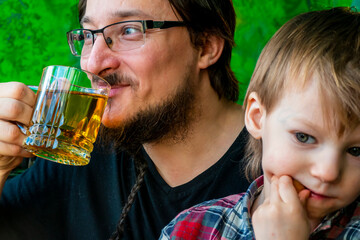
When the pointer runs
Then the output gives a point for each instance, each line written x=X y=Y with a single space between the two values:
x=328 y=166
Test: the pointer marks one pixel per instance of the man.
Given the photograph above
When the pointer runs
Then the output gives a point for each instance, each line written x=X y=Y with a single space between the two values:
x=173 y=134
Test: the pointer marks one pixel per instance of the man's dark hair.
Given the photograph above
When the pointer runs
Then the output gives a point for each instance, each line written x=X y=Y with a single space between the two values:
x=205 y=18
x=212 y=17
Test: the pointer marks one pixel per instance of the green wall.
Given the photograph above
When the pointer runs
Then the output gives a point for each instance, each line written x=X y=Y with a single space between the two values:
x=32 y=33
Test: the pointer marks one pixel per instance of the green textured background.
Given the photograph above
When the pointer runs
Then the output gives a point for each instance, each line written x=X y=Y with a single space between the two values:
x=32 y=33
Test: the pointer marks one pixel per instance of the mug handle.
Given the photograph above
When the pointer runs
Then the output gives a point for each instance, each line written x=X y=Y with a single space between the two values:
x=33 y=87
x=22 y=127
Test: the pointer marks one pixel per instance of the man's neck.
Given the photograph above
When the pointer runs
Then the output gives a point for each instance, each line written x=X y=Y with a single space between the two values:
x=207 y=140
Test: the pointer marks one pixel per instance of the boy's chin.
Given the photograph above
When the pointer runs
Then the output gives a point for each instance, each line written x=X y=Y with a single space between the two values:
x=316 y=212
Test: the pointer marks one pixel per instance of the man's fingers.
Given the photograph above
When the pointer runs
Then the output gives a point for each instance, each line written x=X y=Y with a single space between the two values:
x=18 y=91
x=10 y=133
x=7 y=149
x=15 y=110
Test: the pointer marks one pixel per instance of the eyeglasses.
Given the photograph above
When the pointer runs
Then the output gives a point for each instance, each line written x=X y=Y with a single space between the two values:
x=120 y=36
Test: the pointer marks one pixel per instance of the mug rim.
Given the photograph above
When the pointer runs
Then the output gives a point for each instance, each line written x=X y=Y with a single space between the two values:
x=79 y=69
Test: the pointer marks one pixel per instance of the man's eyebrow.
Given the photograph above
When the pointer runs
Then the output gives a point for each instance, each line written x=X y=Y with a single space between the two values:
x=122 y=14
x=85 y=19
x=131 y=13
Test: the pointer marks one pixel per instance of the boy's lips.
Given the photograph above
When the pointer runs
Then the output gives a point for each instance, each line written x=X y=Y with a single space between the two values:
x=299 y=187
x=319 y=195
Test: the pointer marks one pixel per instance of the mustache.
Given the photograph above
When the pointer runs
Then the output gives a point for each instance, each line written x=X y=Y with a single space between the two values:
x=117 y=79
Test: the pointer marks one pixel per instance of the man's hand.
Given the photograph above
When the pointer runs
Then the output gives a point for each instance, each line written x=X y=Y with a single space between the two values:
x=282 y=215
x=16 y=105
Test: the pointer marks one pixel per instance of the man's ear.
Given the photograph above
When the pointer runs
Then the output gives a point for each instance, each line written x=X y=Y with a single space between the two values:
x=254 y=115
x=211 y=51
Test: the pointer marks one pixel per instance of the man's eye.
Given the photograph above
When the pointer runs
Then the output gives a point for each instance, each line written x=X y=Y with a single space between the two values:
x=130 y=30
x=304 y=138
x=355 y=151
x=87 y=35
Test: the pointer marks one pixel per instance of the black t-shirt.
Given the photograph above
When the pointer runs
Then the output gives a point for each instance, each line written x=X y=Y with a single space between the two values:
x=54 y=201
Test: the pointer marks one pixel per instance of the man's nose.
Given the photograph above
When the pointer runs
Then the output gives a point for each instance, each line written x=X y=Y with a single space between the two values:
x=101 y=59
x=327 y=167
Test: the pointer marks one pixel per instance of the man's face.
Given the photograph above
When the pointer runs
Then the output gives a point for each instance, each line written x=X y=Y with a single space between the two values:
x=297 y=143
x=144 y=77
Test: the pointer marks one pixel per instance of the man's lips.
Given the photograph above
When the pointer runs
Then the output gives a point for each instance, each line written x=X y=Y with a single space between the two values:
x=116 y=88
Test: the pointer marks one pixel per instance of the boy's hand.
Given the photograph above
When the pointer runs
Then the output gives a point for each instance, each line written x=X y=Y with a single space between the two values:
x=282 y=215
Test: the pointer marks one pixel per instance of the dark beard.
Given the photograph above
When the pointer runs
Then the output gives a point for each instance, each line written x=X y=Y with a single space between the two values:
x=168 y=121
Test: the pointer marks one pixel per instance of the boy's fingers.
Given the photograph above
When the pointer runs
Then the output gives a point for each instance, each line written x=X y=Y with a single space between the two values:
x=287 y=191
x=304 y=196
x=274 y=190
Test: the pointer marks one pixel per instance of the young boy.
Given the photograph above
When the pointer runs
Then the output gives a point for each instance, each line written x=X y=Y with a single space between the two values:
x=303 y=114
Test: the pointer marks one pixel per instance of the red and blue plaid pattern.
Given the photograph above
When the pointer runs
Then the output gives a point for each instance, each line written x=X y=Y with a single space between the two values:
x=229 y=218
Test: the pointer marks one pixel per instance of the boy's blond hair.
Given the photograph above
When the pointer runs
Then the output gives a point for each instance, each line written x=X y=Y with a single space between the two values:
x=325 y=43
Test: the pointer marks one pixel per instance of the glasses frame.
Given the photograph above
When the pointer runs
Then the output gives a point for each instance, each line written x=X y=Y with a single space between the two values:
x=146 y=24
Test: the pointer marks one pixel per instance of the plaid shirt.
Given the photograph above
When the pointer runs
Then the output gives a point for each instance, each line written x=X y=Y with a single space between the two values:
x=229 y=218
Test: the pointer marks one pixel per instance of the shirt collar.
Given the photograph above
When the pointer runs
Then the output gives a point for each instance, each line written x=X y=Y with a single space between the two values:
x=239 y=217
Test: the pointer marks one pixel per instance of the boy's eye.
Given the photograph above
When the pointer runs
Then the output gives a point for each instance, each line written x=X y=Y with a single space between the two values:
x=355 y=151
x=304 y=138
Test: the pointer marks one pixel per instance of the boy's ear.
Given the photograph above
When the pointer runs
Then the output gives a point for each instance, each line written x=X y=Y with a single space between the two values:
x=211 y=51
x=254 y=113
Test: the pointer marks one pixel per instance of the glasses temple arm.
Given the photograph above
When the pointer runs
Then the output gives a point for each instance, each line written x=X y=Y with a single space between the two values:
x=150 y=24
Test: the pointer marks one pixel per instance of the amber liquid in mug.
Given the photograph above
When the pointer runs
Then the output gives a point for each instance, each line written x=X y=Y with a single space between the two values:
x=65 y=126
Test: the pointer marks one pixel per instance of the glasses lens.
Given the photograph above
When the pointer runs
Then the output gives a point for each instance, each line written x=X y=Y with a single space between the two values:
x=119 y=37
x=124 y=36
x=76 y=39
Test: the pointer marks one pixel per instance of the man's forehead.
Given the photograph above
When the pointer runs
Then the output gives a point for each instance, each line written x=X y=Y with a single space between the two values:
x=119 y=14
x=118 y=10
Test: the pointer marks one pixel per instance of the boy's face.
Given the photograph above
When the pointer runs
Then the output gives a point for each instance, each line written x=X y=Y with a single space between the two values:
x=297 y=143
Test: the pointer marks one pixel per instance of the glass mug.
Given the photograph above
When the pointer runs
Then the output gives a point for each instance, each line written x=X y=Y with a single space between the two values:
x=67 y=115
